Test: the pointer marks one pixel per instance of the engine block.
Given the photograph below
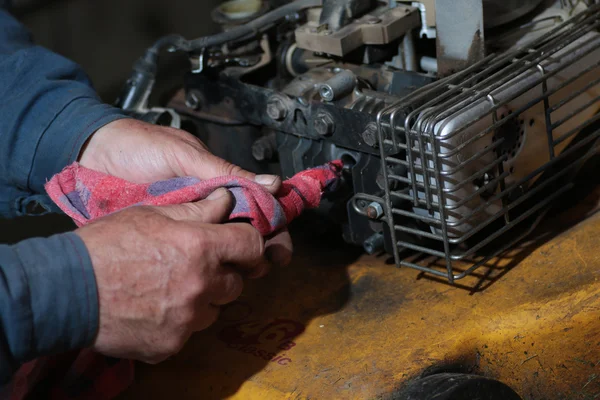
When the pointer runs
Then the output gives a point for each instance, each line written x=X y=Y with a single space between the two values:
x=452 y=150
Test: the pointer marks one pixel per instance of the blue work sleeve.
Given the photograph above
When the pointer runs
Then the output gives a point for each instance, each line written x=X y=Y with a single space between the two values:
x=48 y=300
x=48 y=110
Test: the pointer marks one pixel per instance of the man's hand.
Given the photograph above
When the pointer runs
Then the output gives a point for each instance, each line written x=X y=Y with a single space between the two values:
x=142 y=153
x=163 y=272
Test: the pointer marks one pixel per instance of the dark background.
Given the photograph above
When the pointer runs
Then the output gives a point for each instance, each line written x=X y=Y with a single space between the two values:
x=105 y=37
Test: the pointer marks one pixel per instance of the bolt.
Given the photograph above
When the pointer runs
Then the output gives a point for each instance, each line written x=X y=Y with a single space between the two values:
x=373 y=20
x=262 y=150
x=374 y=244
x=324 y=124
x=374 y=210
x=326 y=93
x=276 y=109
x=192 y=100
x=370 y=135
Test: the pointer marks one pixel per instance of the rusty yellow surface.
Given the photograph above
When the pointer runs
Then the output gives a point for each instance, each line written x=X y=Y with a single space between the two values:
x=338 y=325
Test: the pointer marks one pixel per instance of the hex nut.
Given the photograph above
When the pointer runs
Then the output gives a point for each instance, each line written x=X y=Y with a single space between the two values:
x=369 y=135
x=374 y=210
x=262 y=151
x=324 y=124
x=276 y=109
x=192 y=100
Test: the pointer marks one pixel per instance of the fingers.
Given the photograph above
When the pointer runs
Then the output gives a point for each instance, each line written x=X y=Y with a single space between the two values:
x=238 y=244
x=213 y=210
x=271 y=182
x=278 y=253
x=279 y=249
x=205 y=317
x=227 y=286
x=206 y=165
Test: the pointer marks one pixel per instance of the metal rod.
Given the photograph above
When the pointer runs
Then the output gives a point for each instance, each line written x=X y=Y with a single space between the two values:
x=575 y=112
x=547 y=116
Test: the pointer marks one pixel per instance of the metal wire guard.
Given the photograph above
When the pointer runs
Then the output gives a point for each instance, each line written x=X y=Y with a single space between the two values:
x=422 y=132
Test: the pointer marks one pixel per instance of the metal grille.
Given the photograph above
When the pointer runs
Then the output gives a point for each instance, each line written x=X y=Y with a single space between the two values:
x=486 y=151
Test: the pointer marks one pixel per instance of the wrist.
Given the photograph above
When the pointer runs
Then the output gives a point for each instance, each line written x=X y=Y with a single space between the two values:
x=92 y=154
x=62 y=142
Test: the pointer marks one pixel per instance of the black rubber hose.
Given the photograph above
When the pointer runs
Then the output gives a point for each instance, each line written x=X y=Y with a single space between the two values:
x=144 y=70
x=252 y=27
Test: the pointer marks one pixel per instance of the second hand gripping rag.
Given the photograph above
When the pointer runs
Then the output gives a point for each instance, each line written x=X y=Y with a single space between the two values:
x=86 y=195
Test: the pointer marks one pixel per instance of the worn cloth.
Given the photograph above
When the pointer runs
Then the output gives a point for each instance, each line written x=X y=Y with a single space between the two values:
x=86 y=195
x=48 y=110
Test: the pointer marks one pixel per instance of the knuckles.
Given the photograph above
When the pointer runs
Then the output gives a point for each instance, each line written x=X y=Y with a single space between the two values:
x=255 y=241
x=234 y=285
x=197 y=244
x=196 y=288
x=174 y=344
x=230 y=169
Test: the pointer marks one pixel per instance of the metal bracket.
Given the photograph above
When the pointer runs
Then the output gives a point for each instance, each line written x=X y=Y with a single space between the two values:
x=382 y=26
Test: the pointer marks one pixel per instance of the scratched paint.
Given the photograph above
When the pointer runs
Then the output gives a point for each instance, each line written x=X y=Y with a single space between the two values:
x=532 y=320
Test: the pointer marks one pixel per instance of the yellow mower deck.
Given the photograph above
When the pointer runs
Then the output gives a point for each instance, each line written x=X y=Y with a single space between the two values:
x=336 y=325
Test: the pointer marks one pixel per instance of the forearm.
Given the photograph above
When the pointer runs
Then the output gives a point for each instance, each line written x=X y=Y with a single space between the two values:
x=48 y=300
x=49 y=110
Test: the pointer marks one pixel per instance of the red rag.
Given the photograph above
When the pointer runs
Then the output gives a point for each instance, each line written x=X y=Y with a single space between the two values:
x=86 y=195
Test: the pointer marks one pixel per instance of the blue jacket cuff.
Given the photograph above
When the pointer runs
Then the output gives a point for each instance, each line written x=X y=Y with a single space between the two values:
x=51 y=302
x=61 y=144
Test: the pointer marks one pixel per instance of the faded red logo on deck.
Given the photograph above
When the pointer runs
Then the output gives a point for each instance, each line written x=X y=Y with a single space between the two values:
x=263 y=339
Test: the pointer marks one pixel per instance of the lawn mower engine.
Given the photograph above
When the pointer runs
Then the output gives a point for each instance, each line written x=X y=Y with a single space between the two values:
x=458 y=122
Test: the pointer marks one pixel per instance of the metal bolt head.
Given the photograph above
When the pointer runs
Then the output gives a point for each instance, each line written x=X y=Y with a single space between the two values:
x=373 y=20
x=192 y=100
x=369 y=135
x=264 y=148
x=326 y=93
x=324 y=124
x=374 y=210
x=374 y=243
x=276 y=109
x=261 y=151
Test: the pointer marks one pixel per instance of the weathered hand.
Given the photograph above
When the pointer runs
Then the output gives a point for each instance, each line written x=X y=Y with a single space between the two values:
x=141 y=152
x=162 y=272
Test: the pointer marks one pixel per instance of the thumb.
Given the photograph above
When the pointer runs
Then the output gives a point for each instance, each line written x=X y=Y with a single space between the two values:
x=212 y=210
x=210 y=166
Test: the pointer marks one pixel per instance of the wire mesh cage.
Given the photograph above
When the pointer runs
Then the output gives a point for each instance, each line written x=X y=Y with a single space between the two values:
x=473 y=161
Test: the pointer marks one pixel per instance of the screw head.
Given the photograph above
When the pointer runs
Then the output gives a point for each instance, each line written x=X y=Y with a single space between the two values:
x=324 y=124
x=369 y=135
x=276 y=109
x=192 y=100
x=261 y=151
x=374 y=210
x=326 y=93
